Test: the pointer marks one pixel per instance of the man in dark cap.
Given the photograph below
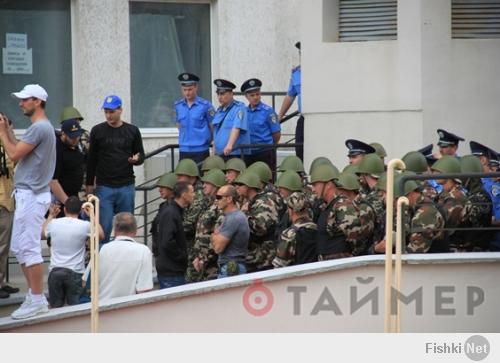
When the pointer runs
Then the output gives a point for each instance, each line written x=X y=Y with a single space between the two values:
x=484 y=154
x=230 y=122
x=70 y=162
x=448 y=142
x=357 y=150
x=193 y=116
x=429 y=156
x=263 y=124
x=294 y=90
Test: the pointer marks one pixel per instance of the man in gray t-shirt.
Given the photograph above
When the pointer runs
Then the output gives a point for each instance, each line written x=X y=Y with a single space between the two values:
x=35 y=155
x=230 y=241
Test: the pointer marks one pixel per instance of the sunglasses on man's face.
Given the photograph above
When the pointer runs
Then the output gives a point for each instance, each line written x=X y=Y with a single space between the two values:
x=219 y=197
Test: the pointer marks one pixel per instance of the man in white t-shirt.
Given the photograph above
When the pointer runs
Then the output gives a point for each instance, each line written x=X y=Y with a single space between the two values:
x=125 y=266
x=68 y=237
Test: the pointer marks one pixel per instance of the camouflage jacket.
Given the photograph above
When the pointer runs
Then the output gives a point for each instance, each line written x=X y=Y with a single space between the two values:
x=478 y=212
x=287 y=243
x=262 y=217
x=208 y=221
x=426 y=226
x=372 y=207
x=478 y=209
x=191 y=214
x=343 y=219
x=366 y=216
x=315 y=202
x=275 y=196
x=453 y=203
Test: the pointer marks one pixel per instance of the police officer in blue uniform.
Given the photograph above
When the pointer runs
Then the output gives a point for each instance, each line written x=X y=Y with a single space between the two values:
x=429 y=156
x=230 y=122
x=263 y=123
x=483 y=153
x=193 y=116
x=357 y=150
x=448 y=142
x=492 y=186
x=294 y=90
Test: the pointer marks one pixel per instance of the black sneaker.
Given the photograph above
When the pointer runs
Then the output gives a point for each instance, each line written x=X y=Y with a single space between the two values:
x=4 y=295
x=9 y=289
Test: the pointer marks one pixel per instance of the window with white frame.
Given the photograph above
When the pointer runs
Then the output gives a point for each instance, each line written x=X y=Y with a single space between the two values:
x=475 y=19
x=35 y=39
x=166 y=39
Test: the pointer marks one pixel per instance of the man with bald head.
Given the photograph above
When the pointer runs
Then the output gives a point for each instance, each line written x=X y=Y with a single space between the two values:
x=230 y=241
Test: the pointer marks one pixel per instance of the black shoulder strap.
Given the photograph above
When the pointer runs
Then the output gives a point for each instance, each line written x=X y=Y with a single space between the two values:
x=227 y=112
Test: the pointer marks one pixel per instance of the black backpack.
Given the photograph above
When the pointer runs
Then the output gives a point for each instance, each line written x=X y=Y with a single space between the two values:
x=307 y=245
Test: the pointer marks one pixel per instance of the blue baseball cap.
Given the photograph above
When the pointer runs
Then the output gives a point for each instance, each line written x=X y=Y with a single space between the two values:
x=72 y=128
x=112 y=102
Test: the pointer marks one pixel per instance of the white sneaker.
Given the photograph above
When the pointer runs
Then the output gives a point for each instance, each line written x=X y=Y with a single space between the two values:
x=29 y=309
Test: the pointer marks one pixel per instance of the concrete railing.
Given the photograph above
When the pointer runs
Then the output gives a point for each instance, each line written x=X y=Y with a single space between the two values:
x=441 y=293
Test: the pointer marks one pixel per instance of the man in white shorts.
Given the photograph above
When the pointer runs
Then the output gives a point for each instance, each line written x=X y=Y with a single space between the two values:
x=35 y=155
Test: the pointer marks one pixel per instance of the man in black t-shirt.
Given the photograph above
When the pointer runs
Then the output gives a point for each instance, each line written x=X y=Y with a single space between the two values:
x=115 y=147
x=70 y=162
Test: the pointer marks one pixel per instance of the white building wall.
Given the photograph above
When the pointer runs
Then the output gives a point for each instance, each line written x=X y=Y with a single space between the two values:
x=461 y=82
x=397 y=92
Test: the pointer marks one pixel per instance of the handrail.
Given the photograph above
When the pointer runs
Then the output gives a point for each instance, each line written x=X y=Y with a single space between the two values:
x=272 y=94
x=395 y=325
x=288 y=117
x=388 y=291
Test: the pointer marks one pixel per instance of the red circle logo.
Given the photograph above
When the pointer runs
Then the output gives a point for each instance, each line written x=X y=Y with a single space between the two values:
x=258 y=300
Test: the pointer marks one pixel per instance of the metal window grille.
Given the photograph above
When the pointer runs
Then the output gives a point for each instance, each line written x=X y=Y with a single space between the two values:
x=367 y=20
x=475 y=19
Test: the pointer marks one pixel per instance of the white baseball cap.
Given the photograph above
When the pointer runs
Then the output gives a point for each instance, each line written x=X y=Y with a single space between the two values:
x=31 y=90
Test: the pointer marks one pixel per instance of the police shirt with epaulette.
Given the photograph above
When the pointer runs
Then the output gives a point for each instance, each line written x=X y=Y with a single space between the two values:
x=194 y=124
x=263 y=123
x=227 y=118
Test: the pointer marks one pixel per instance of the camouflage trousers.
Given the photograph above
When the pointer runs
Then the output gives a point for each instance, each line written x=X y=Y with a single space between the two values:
x=260 y=256
x=209 y=271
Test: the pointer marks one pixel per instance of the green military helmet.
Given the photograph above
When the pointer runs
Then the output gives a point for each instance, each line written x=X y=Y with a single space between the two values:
x=348 y=181
x=410 y=185
x=215 y=177
x=353 y=169
x=320 y=160
x=379 y=149
x=262 y=170
x=69 y=113
x=290 y=180
x=248 y=178
x=235 y=164
x=292 y=163
x=167 y=180
x=415 y=161
x=187 y=167
x=324 y=173
x=213 y=162
x=371 y=164
x=447 y=164
x=297 y=201
x=382 y=182
x=470 y=164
